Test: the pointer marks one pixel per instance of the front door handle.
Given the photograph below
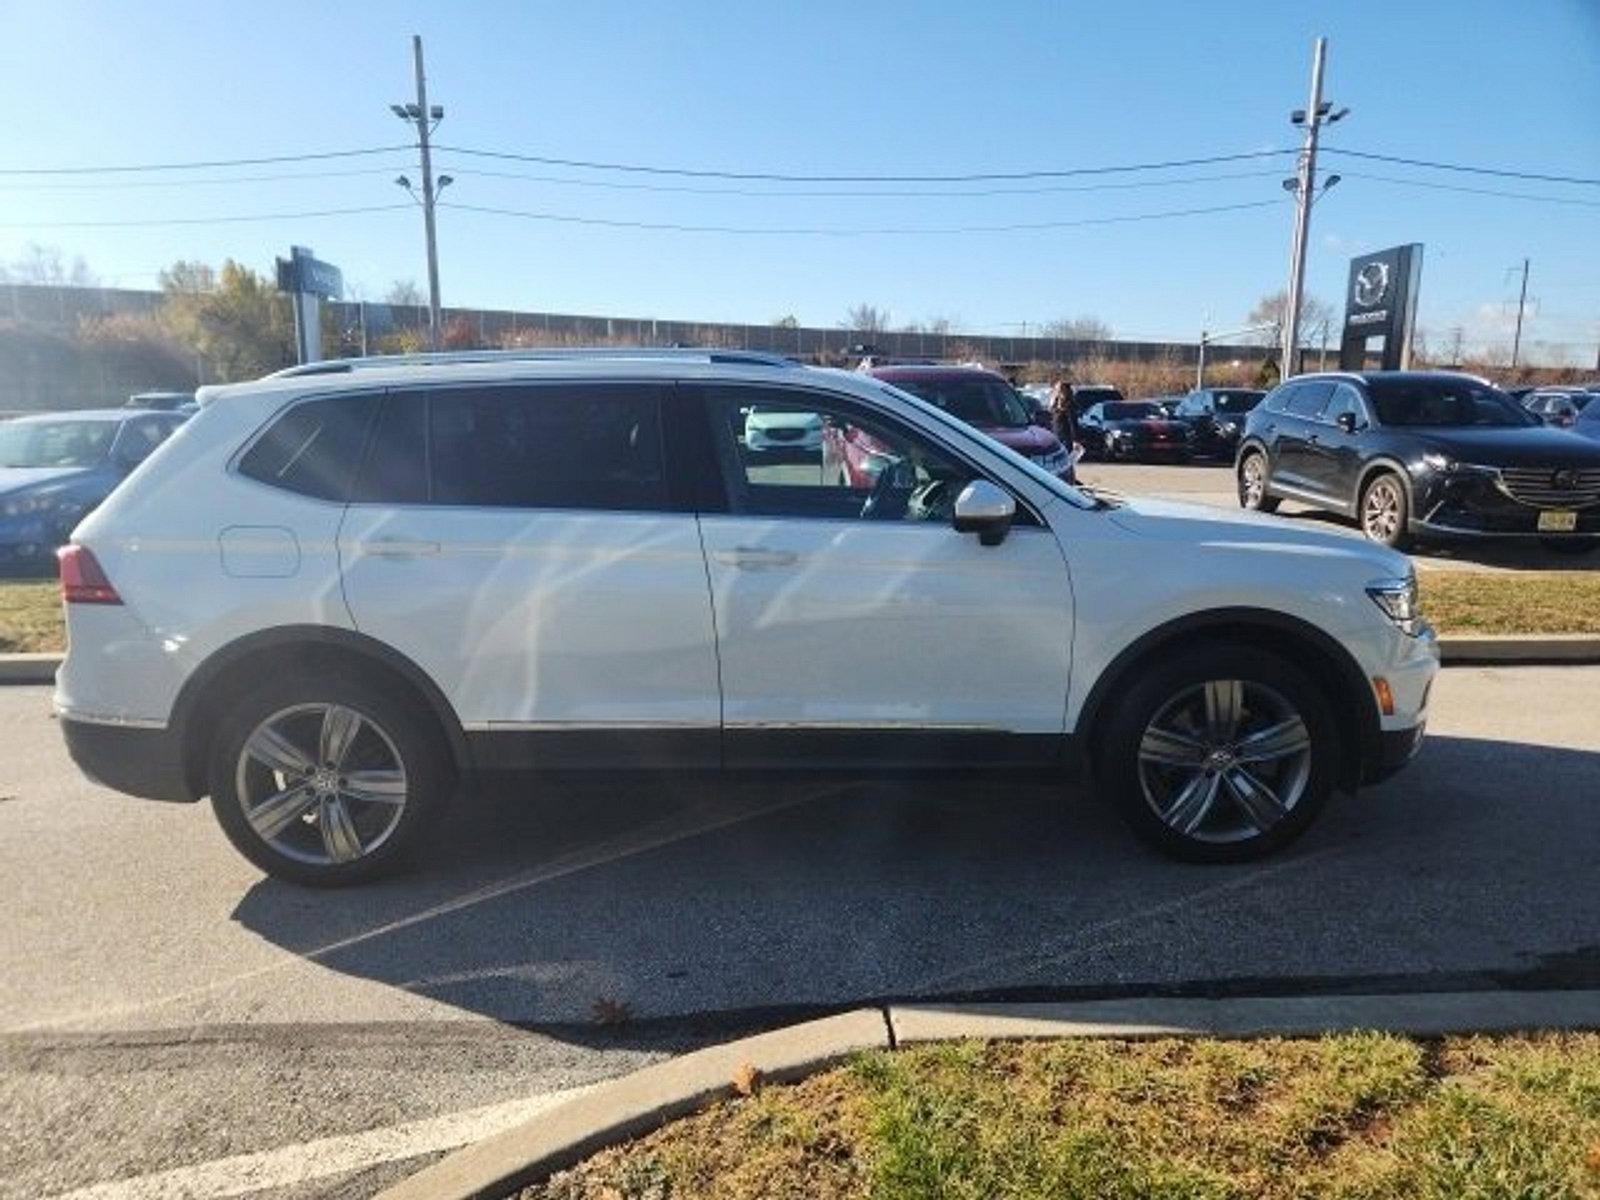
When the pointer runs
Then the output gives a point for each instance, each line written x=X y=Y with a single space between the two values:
x=399 y=547
x=755 y=557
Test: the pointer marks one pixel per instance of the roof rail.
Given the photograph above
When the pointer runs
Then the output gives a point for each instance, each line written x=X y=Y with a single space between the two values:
x=447 y=358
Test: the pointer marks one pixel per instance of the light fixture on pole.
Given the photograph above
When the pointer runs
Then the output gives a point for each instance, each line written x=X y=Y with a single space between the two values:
x=1311 y=118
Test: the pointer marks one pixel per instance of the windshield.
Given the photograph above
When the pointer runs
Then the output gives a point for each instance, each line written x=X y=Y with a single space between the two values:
x=1237 y=402
x=1132 y=412
x=1445 y=403
x=55 y=443
x=977 y=400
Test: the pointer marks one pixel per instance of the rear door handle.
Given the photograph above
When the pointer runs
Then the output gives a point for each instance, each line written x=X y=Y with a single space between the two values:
x=399 y=547
x=755 y=557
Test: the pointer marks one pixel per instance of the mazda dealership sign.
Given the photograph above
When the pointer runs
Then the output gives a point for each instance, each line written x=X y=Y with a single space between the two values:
x=1381 y=302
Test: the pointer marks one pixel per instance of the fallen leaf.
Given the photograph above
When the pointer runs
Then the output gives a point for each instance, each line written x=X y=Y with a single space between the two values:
x=746 y=1079
x=611 y=1012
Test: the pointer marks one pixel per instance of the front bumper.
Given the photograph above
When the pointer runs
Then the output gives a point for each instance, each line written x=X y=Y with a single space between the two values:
x=1396 y=747
x=138 y=761
x=1475 y=506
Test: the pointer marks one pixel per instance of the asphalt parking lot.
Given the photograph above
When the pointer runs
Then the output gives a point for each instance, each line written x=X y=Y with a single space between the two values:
x=167 y=1010
x=1213 y=484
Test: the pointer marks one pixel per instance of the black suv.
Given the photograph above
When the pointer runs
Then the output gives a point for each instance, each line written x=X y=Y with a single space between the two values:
x=1420 y=455
x=1216 y=415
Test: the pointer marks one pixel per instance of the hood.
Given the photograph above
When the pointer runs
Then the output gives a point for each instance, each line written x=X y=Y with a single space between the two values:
x=14 y=479
x=1534 y=446
x=1028 y=440
x=1203 y=526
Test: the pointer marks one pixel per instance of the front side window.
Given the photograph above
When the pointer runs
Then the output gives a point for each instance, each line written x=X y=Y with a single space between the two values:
x=556 y=446
x=313 y=448
x=1237 y=403
x=1308 y=399
x=863 y=466
x=1345 y=400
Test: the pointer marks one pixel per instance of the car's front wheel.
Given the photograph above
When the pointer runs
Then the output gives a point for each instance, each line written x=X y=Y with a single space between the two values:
x=1253 y=484
x=326 y=779
x=1221 y=754
x=1386 y=511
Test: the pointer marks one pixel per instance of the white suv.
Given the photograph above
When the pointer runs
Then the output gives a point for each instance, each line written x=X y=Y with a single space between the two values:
x=340 y=590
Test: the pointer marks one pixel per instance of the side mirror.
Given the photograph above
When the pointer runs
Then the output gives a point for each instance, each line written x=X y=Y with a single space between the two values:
x=1347 y=422
x=986 y=510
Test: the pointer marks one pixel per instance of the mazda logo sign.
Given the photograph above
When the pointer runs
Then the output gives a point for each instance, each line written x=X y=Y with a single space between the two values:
x=1372 y=284
x=1566 y=480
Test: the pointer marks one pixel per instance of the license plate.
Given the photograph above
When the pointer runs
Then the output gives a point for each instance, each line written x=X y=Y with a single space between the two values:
x=1558 y=521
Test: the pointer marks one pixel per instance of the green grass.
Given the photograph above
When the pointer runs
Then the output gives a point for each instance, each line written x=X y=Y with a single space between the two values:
x=1362 y=1117
x=1455 y=601
x=30 y=617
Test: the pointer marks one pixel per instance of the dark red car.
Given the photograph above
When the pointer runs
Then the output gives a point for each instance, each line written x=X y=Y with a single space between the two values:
x=987 y=402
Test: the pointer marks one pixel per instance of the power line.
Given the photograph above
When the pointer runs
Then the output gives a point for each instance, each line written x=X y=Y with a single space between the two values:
x=223 y=220
x=122 y=184
x=1443 y=166
x=688 y=189
x=1021 y=227
x=195 y=166
x=974 y=177
x=1475 y=191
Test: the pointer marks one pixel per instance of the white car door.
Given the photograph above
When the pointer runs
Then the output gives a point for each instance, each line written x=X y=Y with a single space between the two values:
x=859 y=613
x=519 y=544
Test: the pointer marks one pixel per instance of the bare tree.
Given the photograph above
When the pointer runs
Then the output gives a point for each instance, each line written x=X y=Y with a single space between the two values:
x=1086 y=328
x=45 y=265
x=404 y=293
x=866 y=318
x=1270 y=311
x=940 y=325
x=787 y=321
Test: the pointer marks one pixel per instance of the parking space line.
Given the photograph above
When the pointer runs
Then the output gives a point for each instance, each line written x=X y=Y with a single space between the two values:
x=641 y=841
x=305 y=1162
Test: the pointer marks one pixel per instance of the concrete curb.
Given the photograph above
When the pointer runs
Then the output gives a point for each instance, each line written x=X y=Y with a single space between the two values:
x=636 y=1104
x=28 y=668
x=1466 y=649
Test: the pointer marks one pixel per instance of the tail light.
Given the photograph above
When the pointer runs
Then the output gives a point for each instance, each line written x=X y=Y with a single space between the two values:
x=82 y=580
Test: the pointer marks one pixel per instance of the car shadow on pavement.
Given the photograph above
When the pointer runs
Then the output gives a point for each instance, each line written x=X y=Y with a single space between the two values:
x=583 y=907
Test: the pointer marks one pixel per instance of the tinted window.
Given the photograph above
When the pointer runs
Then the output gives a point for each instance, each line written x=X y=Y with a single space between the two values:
x=313 y=448
x=139 y=438
x=396 y=470
x=1345 y=400
x=1308 y=399
x=867 y=466
x=976 y=399
x=562 y=446
x=1237 y=402
x=1132 y=412
x=1446 y=403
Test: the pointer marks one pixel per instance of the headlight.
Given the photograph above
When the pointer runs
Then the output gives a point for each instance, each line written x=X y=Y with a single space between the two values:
x=1439 y=462
x=1398 y=599
x=1229 y=428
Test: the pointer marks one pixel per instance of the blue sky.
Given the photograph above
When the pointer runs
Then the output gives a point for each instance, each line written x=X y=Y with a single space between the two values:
x=828 y=88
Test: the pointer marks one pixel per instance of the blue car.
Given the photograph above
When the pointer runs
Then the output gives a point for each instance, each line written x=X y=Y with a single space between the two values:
x=56 y=467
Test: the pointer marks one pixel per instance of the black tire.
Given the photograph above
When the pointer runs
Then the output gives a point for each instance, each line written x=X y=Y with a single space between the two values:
x=1392 y=527
x=1259 y=501
x=1570 y=545
x=1266 y=681
x=390 y=725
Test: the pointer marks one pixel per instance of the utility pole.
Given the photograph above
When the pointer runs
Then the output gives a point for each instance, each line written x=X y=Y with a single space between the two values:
x=425 y=119
x=1304 y=187
x=1522 y=303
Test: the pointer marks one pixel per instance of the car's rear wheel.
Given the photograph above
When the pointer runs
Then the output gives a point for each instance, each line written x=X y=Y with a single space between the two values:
x=1253 y=484
x=1222 y=754
x=326 y=780
x=1385 y=511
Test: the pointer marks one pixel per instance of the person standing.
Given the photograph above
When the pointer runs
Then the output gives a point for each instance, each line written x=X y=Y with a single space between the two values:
x=1064 y=420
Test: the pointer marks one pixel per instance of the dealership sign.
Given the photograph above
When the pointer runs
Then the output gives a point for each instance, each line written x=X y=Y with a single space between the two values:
x=1381 y=302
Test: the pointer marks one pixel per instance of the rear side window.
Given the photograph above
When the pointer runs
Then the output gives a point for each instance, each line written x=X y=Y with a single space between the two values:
x=558 y=446
x=314 y=448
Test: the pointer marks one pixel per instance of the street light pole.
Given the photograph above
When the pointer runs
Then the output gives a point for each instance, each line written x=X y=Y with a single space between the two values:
x=425 y=118
x=1522 y=303
x=1304 y=186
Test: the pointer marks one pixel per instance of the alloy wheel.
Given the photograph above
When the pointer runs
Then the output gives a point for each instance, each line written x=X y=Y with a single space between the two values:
x=1225 y=760
x=1380 y=511
x=1253 y=480
x=321 y=784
